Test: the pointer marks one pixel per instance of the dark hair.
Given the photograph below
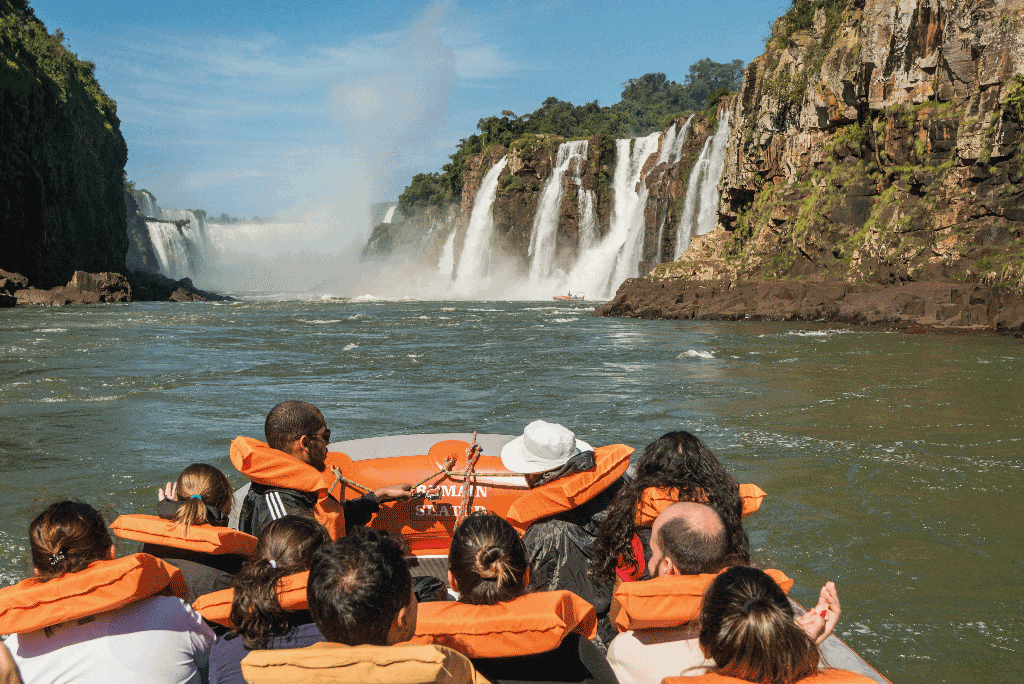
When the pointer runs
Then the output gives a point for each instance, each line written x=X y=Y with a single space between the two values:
x=747 y=628
x=691 y=550
x=290 y=420
x=357 y=586
x=212 y=488
x=290 y=543
x=67 y=537
x=487 y=559
x=676 y=460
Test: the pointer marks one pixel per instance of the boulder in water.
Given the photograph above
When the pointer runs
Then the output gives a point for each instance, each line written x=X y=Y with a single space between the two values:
x=83 y=288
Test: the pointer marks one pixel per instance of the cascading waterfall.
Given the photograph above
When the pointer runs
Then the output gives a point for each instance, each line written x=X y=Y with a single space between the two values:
x=390 y=216
x=677 y=144
x=545 y=222
x=671 y=147
x=447 y=262
x=602 y=267
x=179 y=238
x=700 y=209
x=474 y=261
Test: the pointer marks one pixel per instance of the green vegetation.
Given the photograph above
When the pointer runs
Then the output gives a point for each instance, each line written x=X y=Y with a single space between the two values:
x=648 y=103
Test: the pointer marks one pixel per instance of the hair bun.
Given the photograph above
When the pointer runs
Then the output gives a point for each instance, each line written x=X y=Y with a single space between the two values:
x=488 y=559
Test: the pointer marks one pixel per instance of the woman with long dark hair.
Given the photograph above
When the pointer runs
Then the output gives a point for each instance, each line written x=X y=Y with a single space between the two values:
x=682 y=464
x=259 y=619
x=112 y=624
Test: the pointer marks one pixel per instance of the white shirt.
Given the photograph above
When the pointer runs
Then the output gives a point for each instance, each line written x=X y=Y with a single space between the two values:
x=646 y=656
x=159 y=639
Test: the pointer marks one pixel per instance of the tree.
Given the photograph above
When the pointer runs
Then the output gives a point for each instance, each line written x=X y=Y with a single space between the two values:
x=706 y=77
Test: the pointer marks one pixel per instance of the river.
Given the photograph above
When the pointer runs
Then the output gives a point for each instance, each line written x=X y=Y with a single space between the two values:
x=892 y=462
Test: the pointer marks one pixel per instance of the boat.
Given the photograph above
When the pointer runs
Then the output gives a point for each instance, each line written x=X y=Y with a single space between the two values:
x=570 y=297
x=436 y=464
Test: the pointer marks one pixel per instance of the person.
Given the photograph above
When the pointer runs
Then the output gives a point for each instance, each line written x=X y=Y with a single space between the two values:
x=298 y=430
x=8 y=670
x=559 y=529
x=285 y=548
x=747 y=629
x=197 y=506
x=681 y=462
x=689 y=545
x=510 y=636
x=152 y=638
x=360 y=596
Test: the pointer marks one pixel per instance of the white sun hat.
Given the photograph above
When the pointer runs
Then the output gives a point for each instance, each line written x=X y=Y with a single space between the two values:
x=542 y=446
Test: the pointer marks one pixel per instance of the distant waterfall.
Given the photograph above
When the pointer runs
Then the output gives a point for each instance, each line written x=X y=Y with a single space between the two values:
x=179 y=238
x=545 y=222
x=389 y=217
x=447 y=263
x=673 y=143
x=474 y=261
x=600 y=269
x=700 y=208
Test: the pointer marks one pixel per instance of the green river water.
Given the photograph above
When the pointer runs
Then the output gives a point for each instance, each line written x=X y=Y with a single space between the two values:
x=892 y=462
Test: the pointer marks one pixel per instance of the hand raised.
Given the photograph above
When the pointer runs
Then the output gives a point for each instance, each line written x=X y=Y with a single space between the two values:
x=821 y=621
x=396 y=492
x=170 y=492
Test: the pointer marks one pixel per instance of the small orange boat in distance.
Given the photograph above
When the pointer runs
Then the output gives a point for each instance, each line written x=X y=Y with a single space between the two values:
x=569 y=297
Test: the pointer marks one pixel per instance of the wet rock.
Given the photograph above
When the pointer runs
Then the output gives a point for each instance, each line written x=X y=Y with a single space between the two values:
x=84 y=288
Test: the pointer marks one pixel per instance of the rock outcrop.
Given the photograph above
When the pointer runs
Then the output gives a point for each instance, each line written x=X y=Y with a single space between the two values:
x=100 y=288
x=83 y=288
x=875 y=142
x=62 y=158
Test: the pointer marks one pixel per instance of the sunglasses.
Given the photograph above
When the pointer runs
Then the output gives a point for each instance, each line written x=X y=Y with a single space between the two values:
x=325 y=435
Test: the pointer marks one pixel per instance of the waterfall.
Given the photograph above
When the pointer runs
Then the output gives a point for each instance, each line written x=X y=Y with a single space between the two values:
x=667 y=144
x=545 y=221
x=388 y=217
x=677 y=143
x=600 y=269
x=474 y=260
x=447 y=262
x=700 y=209
x=179 y=238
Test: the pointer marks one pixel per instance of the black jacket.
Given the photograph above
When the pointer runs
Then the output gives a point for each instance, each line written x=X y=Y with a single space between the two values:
x=263 y=504
x=575 y=660
x=560 y=548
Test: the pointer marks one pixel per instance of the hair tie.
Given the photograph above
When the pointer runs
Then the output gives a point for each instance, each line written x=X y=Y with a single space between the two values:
x=56 y=558
x=273 y=563
x=196 y=496
x=748 y=604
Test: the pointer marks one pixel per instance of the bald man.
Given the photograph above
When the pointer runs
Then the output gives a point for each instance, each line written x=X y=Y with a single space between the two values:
x=686 y=539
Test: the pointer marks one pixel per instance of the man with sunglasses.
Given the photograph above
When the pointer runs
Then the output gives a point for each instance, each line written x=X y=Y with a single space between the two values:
x=299 y=430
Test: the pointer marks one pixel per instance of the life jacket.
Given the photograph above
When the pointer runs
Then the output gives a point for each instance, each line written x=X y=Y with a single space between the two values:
x=821 y=677
x=340 y=664
x=210 y=539
x=654 y=500
x=529 y=624
x=273 y=467
x=105 y=585
x=669 y=600
x=571 y=491
x=291 y=594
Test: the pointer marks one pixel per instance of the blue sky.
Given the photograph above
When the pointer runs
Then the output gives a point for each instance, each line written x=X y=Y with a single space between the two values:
x=278 y=108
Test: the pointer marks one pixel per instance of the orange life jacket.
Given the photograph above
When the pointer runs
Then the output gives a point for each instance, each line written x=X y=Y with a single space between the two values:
x=151 y=529
x=654 y=500
x=821 y=677
x=105 y=585
x=669 y=600
x=571 y=491
x=530 y=624
x=291 y=594
x=267 y=466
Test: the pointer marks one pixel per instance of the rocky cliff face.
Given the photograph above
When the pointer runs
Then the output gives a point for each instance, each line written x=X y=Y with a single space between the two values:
x=62 y=158
x=876 y=141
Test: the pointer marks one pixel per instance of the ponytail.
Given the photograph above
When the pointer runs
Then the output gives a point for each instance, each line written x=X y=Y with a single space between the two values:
x=201 y=485
x=285 y=547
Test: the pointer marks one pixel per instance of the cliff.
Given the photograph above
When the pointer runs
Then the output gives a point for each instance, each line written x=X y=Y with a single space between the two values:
x=875 y=142
x=62 y=158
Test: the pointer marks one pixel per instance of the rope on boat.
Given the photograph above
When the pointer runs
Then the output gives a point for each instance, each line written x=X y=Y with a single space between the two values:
x=472 y=456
